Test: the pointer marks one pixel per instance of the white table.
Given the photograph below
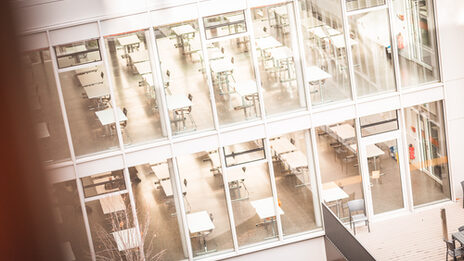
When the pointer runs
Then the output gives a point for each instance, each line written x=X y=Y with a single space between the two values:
x=126 y=239
x=338 y=41
x=161 y=170
x=200 y=222
x=42 y=130
x=176 y=103
x=235 y=180
x=281 y=53
x=113 y=203
x=183 y=29
x=106 y=117
x=90 y=78
x=183 y=34
x=267 y=42
x=317 y=75
x=221 y=70
x=283 y=58
x=221 y=65
x=295 y=160
x=143 y=67
x=372 y=151
x=281 y=146
x=334 y=193
x=324 y=31
x=248 y=90
x=86 y=70
x=129 y=42
x=97 y=91
x=167 y=188
x=101 y=188
x=215 y=54
x=139 y=56
x=344 y=131
x=265 y=208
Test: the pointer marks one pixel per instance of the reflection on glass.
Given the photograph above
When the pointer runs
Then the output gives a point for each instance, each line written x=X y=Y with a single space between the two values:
x=378 y=123
x=77 y=53
x=234 y=82
x=360 y=4
x=42 y=96
x=206 y=209
x=68 y=218
x=274 y=28
x=296 y=182
x=414 y=26
x=134 y=86
x=385 y=178
x=338 y=159
x=88 y=106
x=244 y=152
x=103 y=183
x=428 y=162
x=224 y=24
x=112 y=228
x=158 y=210
x=372 y=57
x=186 y=88
x=326 y=58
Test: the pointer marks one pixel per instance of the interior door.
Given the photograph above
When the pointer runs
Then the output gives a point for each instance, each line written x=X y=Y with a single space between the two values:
x=383 y=172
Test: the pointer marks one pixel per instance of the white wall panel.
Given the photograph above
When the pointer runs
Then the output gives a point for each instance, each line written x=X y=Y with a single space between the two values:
x=451 y=37
x=258 y=3
x=157 y=154
x=57 y=175
x=456 y=149
x=99 y=166
x=74 y=34
x=33 y=42
x=377 y=106
x=288 y=125
x=174 y=15
x=455 y=99
x=423 y=96
x=333 y=116
x=243 y=135
x=125 y=24
x=214 y=7
x=196 y=145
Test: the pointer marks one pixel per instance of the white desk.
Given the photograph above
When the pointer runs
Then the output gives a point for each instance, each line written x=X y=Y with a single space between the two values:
x=107 y=116
x=148 y=78
x=324 y=31
x=372 y=151
x=183 y=29
x=129 y=40
x=338 y=41
x=344 y=131
x=282 y=145
x=267 y=42
x=199 y=222
x=139 y=56
x=176 y=102
x=310 y=22
x=221 y=65
x=265 y=208
x=101 y=188
x=126 y=239
x=167 y=188
x=86 y=70
x=113 y=203
x=281 y=53
x=161 y=170
x=317 y=75
x=97 y=91
x=246 y=88
x=334 y=193
x=235 y=174
x=143 y=67
x=42 y=130
x=90 y=78
x=215 y=54
x=295 y=160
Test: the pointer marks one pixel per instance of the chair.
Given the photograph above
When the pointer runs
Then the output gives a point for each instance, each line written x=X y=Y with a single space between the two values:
x=461 y=229
x=344 y=203
x=122 y=124
x=452 y=251
x=355 y=206
x=181 y=113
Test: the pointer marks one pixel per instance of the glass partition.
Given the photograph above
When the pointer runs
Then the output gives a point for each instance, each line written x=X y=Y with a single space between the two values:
x=234 y=83
x=42 y=98
x=276 y=42
x=428 y=162
x=360 y=4
x=296 y=182
x=67 y=213
x=224 y=24
x=205 y=203
x=339 y=164
x=73 y=54
x=134 y=85
x=242 y=153
x=325 y=51
x=414 y=28
x=187 y=95
x=372 y=58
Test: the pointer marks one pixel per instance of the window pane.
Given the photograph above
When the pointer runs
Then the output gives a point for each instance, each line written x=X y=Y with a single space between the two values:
x=42 y=97
x=68 y=55
x=234 y=82
x=428 y=160
x=275 y=32
x=158 y=210
x=360 y=4
x=88 y=106
x=416 y=42
x=224 y=24
x=186 y=88
x=134 y=87
x=244 y=152
x=296 y=182
x=103 y=183
x=325 y=48
x=69 y=220
x=205 y=205
x=372 y=59
x=378 y=123
x=338 y=159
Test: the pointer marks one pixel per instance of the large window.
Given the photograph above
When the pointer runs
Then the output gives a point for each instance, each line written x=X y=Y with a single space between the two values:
x=325 y=50
x=428 y=162
x=82 y=52
x=42 y=96
x=185 y=86
x=134 y=91
x=414 y=28
x=276 y=43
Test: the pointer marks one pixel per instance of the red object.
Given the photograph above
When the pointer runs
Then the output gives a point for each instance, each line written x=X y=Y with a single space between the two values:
x=400 y=39
x=413 y=129
x=411 y=152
